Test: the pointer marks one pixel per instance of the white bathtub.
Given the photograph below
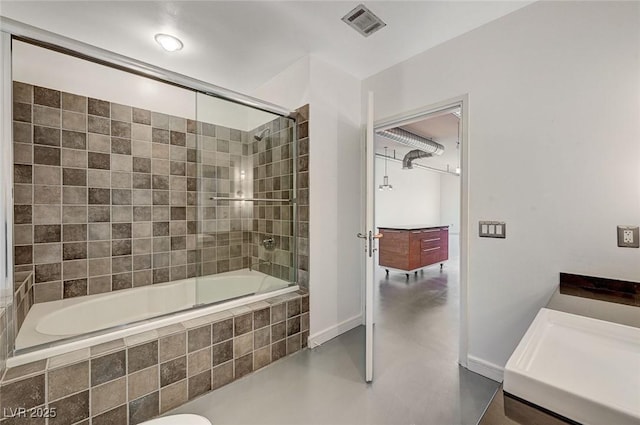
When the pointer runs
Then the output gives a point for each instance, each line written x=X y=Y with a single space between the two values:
x=56 y=320
x=584 y=369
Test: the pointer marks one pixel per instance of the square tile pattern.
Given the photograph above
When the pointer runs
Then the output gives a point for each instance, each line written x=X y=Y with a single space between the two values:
x=110 y=197
x=302 y=188
x=129 y=381
x=23 y=296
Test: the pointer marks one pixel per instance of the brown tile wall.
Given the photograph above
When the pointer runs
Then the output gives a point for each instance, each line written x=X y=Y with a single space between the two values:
x=222 y=156
x=23 y=296
x=110 y=197
x=273 y=158
x=8 y=330
x=106 y=195
x=303 y=196
x=129 y=381
x=5 y=341
x=273 y=178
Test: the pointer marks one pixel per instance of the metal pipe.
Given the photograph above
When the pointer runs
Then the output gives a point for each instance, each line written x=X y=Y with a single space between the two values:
x=408 y=138
x=424 y=167
x=407 y=161
x=86 y=51
x=221 y=198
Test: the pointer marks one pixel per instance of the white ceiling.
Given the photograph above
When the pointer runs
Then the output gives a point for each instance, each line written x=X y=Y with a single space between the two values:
x=241 y=45
x=441 y=128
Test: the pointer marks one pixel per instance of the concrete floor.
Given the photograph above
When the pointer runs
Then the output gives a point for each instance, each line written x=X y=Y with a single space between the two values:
x=416 y=376
x=495 y=414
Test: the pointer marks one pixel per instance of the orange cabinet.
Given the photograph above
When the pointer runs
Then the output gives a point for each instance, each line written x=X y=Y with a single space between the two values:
x=410 y=248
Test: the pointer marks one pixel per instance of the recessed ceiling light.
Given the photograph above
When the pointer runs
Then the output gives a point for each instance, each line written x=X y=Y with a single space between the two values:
x=168 y=42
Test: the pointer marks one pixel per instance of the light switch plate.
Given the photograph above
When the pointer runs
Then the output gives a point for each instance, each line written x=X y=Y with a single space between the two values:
x=492 y=229
x=628 y=237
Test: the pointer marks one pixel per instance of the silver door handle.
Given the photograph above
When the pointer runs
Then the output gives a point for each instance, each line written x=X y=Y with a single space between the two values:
x=363 y=236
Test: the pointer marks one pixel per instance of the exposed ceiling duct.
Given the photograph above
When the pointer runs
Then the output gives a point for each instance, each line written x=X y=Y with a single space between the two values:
x=407 y=161
x=408 y=138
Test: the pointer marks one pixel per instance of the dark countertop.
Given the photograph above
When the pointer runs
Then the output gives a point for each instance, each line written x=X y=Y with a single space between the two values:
x=413 y=226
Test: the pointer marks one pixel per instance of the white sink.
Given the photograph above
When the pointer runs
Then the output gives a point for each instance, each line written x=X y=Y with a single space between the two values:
x=584 y=369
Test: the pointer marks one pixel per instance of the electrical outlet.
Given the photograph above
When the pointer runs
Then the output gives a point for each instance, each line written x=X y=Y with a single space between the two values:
x=628 y=237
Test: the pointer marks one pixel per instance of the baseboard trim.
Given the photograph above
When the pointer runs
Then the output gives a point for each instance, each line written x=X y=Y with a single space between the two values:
x=331 y=332
x=485 y=368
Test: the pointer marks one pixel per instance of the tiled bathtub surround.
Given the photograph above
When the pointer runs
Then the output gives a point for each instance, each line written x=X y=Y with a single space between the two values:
x=129 y=381
x=5 y=338
x=273 y=178
x=7 y=333
x=106 y=195
x=23 y=295
x=303 y=195
x=221 y=156
x=101 y=195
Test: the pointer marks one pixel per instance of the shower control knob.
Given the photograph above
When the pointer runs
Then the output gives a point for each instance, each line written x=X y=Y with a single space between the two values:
x=268 y=243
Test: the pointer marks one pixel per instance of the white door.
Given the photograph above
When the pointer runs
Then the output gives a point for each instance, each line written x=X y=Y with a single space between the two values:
x=369 y=237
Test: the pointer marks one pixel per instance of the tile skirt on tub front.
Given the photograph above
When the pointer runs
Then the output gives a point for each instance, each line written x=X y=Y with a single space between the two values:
x=131 y=380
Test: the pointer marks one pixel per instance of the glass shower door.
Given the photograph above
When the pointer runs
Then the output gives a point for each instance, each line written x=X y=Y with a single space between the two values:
x=245 y=232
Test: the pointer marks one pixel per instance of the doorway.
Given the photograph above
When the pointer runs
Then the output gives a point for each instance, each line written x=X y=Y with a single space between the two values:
x=431 y=191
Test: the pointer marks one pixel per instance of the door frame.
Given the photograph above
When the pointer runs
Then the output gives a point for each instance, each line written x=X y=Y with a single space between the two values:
x=465 y=228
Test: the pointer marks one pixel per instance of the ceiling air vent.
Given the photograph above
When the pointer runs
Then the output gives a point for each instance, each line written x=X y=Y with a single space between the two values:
x=363 y=20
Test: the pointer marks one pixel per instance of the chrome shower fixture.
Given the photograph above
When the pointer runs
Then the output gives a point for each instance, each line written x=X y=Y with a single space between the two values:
x=260 y=136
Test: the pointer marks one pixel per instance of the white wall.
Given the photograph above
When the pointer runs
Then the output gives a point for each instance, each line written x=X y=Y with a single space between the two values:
x=291 y=88
x=218 y=111
x=73 y=75
x=415 y=198
x=554 y=101
x=450 y=202
x=334 y=129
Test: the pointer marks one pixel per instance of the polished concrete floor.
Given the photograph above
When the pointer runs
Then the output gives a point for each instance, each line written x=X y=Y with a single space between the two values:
x=495 y=414
x=416 y=376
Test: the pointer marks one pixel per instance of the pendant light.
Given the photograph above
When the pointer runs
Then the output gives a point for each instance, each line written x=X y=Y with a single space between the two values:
x=385 y=180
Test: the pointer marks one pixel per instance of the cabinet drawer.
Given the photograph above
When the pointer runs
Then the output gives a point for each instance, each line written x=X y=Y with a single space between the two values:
x=427 y=232
x=430 y=256
x=430 y=242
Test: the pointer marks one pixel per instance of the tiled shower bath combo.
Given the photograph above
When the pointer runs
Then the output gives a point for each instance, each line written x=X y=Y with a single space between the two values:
x=109 y=197
x=127 y=381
